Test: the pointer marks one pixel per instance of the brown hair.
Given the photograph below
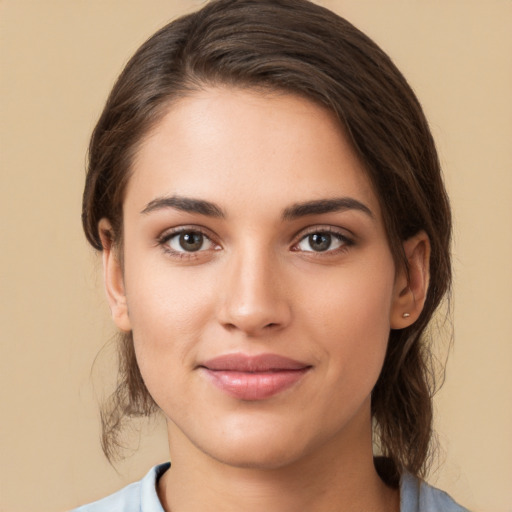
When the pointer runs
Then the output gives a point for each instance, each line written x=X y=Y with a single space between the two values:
x=299 y=47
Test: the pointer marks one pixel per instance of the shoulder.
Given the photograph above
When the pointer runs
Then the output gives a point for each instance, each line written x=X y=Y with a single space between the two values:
x=418 y=496
x=125 y=500
x=137 y=497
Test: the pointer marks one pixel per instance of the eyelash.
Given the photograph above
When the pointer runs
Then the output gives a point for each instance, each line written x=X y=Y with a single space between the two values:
x=165 y=238
x=346 y=241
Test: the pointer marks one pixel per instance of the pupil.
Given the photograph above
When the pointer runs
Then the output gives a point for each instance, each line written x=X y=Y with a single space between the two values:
x=191 y=241
x=320 y=241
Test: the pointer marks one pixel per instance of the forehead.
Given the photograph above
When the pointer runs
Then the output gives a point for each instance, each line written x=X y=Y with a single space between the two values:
x=247 y=148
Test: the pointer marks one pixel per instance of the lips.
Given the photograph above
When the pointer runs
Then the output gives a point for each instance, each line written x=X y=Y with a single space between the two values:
x=253 y=377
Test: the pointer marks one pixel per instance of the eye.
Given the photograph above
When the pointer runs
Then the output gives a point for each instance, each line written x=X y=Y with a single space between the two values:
x=188 y=241
x=322 y=241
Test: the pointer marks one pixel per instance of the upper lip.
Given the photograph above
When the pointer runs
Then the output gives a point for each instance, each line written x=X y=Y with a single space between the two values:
x=253 y=363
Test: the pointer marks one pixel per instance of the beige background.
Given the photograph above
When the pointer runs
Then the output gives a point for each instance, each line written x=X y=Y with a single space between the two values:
x=58 y=60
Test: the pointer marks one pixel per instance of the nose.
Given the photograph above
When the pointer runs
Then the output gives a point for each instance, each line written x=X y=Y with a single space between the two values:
x=253 y=298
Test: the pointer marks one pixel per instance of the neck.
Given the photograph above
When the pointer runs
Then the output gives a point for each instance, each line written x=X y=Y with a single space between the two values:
x=341 y=478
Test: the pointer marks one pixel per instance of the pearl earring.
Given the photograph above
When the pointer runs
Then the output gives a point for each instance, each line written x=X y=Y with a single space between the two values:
x=406 y=315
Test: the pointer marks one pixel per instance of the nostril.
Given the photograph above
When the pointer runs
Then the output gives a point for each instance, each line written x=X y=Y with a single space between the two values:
x=256 y=316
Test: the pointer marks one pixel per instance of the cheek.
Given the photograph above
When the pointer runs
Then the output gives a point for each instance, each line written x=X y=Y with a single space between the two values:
x=351 y=318
x=352 y=299
x=166 y=300
x=168 y=311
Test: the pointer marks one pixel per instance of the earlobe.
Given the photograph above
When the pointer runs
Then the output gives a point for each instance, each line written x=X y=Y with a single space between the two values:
x=113 y=278
x=411 y=284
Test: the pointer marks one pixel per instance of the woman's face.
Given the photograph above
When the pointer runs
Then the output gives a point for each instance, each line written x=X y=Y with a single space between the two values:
x=257 y=278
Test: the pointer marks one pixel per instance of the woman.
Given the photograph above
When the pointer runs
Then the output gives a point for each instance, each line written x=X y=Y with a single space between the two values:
x=275 y=234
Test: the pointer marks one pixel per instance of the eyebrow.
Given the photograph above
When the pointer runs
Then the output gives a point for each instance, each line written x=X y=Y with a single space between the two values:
x=295 y=211
x=185 y=204
x=322 y=206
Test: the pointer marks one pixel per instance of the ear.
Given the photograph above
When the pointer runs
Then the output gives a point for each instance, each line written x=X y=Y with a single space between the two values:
x=113 y=278
x=411 y=284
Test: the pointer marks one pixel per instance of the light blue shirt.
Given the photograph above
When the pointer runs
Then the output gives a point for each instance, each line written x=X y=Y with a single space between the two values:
x=415 y=496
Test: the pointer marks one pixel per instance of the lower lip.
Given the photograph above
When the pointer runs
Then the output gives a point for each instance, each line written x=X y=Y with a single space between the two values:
x=254 y=386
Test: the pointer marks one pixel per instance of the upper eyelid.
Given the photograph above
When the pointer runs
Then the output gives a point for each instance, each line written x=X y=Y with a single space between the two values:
x=336 y=230
x=170 y=232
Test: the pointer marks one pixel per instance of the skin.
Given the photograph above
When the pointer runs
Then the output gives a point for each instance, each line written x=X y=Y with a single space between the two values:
x=257 y=285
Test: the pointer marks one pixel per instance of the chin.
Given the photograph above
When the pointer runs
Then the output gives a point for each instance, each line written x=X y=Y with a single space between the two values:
x=264 y=457
x=258 y=449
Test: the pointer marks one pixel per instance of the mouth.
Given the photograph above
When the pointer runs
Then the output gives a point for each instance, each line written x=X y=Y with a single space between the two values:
x=254 y=378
